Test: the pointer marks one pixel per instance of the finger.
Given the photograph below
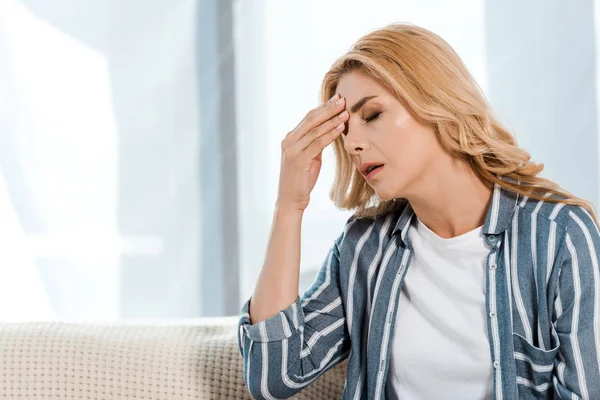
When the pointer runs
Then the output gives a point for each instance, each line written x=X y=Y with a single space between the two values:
x=319 y=157
x=322 y=129
x=318 y=145
x=318 y=116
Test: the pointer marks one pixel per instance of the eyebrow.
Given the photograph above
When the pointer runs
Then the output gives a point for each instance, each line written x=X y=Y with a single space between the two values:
x=356 y=107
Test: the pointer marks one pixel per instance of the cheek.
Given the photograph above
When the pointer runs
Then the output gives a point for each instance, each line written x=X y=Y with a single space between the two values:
x=400 y=146
x=409 y=151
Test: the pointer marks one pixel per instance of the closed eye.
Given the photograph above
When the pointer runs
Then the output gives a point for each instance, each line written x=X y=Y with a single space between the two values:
x=372 y=117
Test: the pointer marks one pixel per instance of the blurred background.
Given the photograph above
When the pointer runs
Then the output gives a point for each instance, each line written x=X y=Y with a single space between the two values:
x=140 y=140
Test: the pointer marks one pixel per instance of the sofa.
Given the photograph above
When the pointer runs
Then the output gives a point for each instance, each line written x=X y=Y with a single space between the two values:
x=142 y=360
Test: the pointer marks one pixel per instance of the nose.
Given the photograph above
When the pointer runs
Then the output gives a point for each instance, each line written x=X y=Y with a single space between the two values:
x=355 y=141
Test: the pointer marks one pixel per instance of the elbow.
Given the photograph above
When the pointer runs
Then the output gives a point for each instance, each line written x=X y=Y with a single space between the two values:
x=269 y=383
x=268 y=389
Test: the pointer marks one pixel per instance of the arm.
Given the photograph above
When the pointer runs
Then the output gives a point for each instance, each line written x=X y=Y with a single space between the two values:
x=578 y=310
x=277 y=285
x=289 y=350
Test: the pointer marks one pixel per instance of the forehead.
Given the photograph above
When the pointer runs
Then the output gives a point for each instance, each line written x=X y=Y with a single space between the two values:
x=356 y=84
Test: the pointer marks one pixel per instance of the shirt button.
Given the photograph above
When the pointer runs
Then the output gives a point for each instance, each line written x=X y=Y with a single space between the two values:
x=496 y=364
x=492 y=315
x=493 y=266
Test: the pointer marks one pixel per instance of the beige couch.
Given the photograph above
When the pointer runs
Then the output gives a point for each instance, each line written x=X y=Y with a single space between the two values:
x=179 y=359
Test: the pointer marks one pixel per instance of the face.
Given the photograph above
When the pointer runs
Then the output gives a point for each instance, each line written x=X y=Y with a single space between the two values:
x=383 y=132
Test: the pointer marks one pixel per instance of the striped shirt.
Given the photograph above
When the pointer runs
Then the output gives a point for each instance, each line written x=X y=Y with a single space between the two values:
x=542 y=307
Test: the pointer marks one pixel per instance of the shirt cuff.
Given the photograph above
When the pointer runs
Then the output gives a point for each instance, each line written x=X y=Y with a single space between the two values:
x=280 y=326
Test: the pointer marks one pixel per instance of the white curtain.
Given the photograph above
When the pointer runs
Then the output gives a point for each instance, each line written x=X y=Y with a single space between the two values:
x=98 y=160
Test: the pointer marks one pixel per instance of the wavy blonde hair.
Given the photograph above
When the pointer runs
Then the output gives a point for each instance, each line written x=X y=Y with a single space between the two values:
x=423 y=72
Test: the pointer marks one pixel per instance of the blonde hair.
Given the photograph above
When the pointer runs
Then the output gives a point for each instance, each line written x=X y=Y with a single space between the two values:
x=423 y=72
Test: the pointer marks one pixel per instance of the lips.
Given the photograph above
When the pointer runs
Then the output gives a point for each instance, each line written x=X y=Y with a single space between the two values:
x=373 y=167
x=366 y=168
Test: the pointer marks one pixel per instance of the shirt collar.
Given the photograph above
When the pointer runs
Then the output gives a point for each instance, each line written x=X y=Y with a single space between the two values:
x=404 y=221
x=499 y=213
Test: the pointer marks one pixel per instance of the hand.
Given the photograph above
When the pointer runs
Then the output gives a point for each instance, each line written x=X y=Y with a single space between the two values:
x=302 y=149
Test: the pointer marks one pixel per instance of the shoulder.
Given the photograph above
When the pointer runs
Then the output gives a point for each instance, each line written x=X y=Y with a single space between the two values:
x=577 y=226
x=582 y=229
x=562 y=214
x=361 y=230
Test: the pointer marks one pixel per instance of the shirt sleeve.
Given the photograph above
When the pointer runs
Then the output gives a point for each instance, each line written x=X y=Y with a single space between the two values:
x=285 y=353
x=577 y=305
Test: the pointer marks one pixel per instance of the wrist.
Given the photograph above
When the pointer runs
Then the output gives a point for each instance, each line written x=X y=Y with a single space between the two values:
x=283 y=210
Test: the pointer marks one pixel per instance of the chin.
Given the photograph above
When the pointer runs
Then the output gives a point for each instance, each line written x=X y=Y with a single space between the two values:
x=384 y=196
x=389 y=194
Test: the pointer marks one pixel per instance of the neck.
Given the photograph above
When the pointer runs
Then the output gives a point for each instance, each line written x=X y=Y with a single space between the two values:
x=453 y=202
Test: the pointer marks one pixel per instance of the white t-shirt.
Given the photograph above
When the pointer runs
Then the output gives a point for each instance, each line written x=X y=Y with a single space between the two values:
x=440 y=348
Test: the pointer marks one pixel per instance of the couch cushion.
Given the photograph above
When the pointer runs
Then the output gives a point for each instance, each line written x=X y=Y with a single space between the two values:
x=196 y=359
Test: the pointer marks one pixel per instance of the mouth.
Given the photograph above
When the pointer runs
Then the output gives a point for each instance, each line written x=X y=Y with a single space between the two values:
x=369 y=170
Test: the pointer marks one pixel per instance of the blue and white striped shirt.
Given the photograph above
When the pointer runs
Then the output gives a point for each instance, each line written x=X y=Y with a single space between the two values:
x=542 y=305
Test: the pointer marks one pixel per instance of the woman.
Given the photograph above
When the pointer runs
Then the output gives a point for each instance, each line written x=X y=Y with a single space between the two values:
x=461 y=274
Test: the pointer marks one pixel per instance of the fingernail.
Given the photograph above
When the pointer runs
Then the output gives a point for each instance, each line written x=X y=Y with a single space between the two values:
x=340 y=101
x=343 y=115
x=335 y=96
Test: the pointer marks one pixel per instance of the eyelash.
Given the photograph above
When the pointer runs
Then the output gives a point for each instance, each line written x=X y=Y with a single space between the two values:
x=372 y=117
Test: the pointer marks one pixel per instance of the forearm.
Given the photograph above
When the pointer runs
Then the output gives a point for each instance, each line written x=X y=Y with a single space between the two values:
x=277 y=285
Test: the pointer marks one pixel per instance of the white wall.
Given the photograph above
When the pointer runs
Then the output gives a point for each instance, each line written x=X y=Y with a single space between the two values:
x=542 y=82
